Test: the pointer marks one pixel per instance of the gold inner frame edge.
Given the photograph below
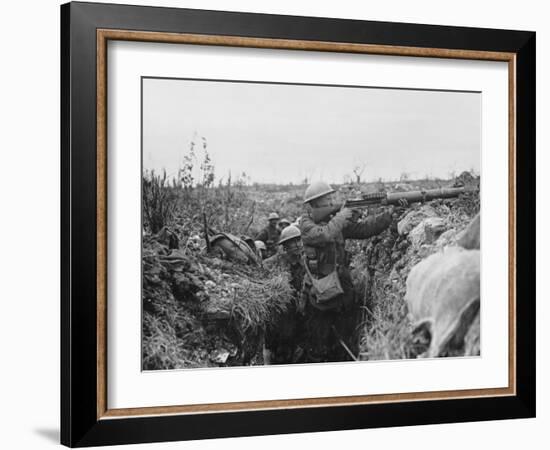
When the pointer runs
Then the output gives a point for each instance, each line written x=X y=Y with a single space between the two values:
x=103 y=36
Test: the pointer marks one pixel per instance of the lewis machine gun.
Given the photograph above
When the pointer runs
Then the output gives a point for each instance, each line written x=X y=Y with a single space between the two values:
x=388 y=198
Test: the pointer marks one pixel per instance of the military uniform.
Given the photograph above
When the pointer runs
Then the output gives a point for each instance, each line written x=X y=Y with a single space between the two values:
x=324 y=247
x=283 y=337
x=270 y=236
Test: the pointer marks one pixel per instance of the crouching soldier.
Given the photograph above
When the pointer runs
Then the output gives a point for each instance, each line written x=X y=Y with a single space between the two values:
x=332 y=312
x=270 y=234
x=261 y=249
x=282 y=339
x=283 y=223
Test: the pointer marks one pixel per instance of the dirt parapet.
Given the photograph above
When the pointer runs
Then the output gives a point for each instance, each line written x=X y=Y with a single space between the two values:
x=202 y=311
x=381 y=268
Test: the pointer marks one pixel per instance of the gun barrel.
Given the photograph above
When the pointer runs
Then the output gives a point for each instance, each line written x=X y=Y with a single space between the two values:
x=423 y=196
x=391 y=198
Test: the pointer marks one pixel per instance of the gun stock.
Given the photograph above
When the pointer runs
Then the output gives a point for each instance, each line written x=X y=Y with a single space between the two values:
x=324 y=212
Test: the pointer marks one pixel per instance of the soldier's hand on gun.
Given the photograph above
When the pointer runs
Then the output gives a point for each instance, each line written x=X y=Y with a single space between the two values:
x=346 y=213
x=397 y=211
x=356 y=215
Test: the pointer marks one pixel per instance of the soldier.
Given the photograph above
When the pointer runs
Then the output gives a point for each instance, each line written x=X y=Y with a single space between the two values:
x=332 y=313
x=283 y=337
x=283 y=223
x=270 y=234
x=261 y=249
x=291 y=258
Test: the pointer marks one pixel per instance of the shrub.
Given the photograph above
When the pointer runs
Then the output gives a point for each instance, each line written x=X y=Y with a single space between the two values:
x=159 y=202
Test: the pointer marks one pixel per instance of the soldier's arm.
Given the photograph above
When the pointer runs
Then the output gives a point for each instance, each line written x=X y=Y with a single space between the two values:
x=369 y=227
x=315 y=234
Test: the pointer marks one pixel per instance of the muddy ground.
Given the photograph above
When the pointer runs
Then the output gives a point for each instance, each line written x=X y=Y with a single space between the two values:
x=200 y=310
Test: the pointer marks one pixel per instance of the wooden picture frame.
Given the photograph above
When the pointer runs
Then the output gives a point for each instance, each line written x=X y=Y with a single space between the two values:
x=86 y=418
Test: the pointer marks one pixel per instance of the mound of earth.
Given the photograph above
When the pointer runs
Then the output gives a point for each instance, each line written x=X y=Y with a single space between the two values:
x=380 y=270
x=202 y=311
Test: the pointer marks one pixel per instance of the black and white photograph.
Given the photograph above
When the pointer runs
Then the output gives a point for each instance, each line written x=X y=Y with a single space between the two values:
x=300 y=223
x=275 y=225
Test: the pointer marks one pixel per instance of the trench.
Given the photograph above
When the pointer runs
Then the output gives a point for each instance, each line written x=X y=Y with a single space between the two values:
x=203 y=311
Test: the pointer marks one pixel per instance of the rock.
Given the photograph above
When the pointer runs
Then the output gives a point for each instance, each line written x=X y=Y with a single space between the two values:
x=443 y=294
x=209 y=284
x=219 y=356
x=413 y=218
x=427 y=231
x=470 y=237
x=446 y=239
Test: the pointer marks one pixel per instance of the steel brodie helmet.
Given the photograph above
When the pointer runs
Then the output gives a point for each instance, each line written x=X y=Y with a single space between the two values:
x=317 y=189
x=290 y=232
x=273 y=216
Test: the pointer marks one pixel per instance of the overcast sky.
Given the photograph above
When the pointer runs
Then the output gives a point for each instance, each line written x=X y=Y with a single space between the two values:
x=283 y=133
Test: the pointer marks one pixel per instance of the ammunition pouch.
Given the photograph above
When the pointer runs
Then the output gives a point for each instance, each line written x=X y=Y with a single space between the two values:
x=325 y=292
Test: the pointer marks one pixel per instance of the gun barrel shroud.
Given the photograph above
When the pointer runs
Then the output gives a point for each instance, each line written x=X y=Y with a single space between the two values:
x=390 y=198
